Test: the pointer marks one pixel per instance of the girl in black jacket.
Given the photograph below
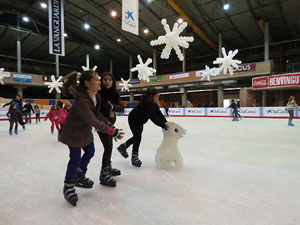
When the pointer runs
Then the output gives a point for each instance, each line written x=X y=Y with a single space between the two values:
x=145 y=110
x=13 y=114
x=110 y=103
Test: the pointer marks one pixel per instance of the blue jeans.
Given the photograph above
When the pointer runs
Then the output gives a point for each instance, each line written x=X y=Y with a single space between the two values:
x=76 y=161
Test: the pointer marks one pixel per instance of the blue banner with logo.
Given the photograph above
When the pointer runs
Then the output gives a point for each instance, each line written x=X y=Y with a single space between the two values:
x=22 y=77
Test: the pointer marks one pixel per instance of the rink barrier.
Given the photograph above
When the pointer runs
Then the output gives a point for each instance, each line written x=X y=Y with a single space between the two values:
x=246 y=112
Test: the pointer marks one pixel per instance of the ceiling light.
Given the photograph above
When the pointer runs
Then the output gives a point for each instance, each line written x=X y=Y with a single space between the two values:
x=146 y=31
x=113 y=13
x=180 y=21
x=43 y=5
x=25 y=18
x=97 y=47
x=65 y=35
x=226 y=6
x=119 y=40
x=86 y=26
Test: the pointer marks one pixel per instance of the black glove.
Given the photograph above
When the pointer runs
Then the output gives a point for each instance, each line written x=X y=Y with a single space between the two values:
x=118 y=134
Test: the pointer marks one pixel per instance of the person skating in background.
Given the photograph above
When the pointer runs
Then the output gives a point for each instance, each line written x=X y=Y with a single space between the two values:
x=145 y=110
x=290 y=107
x=37 y=112
x=234 y=107
x=13 y=115
x=62 y=115
x=110 y=103
x=77 y=132
x=27 y=109
x=18 y=102
x=166 y=110
x=53 y=117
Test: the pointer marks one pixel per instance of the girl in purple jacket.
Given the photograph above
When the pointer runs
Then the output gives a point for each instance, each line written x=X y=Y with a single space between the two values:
x=77 y=133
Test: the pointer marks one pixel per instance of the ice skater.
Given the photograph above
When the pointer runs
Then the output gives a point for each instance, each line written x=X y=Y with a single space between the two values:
x=37 y=112
x=77 y=132
x=53 y=117
x=235 y=113
x=290 y=107
x=26 y=109
x=13 y=114
x=145 y=110
x=110 y=103
x=62 y=115
x=18 y=102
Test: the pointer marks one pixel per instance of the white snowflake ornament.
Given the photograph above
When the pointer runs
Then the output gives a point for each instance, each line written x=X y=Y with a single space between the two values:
x=143 y=70
x=1 y=76
x=54 y=84
x=209 y=72
x=228 y=63
x=86 y=68
x=172 y=40
x=125 y=85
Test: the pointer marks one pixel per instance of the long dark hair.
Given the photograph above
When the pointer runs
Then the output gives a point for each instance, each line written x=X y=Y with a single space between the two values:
x=70 y=81
x=110 y=94
x=149 y=94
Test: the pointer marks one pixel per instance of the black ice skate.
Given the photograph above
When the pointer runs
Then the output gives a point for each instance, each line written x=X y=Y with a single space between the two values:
x=114 y=171
x=122 y=149
x=106 y=177
x=82 y=181
x=69 y=192
x=136 y=161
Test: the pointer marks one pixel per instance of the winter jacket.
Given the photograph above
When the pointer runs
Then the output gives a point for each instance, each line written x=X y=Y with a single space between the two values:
x=81 y=118
x=292 y=105
x=62 y=115
x=145 y=110
x=18 y=104
x=13 y=114
x=52 y=115
x=27 y=108
x=37 y=110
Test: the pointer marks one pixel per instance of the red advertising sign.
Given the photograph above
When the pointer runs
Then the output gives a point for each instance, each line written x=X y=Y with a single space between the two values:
x=245 y=68
x=260 y=82
x=276 y=81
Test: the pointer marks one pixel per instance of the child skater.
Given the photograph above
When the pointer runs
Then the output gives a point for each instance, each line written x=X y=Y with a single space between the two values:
x=146 y=109
x=18 y=102
x=110 y=103
x=77 y=132
x=13 y=114
x=62 y=115
x=235 y=113
x=54 y=118
x=290 y=107
x=37 y=112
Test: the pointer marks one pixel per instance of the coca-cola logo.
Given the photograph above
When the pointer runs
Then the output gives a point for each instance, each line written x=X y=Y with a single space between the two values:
x=260 y=83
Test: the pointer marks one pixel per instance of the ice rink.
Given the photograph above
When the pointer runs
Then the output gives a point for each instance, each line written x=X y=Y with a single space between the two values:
x=235 y=173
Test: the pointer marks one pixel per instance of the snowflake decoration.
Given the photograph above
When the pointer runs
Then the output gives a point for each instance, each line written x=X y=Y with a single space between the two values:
x=172 y=40
x=143 y=69
x=228 y=63
x=210 y=72
x=125 y=85
x=1 y=76
x=54 y=84
x=86 y=68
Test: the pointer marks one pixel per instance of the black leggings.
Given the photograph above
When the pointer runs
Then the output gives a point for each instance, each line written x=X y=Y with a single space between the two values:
x=107 y=142
x=291 y=112
x=137 y=130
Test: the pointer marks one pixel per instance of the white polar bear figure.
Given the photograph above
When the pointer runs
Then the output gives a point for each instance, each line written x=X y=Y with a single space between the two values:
x=168 y=155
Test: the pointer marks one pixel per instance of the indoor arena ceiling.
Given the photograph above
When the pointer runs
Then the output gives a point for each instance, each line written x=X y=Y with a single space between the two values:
x=241 y=27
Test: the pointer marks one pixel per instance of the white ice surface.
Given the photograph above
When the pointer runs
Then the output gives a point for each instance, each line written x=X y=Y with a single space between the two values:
x=235 y=173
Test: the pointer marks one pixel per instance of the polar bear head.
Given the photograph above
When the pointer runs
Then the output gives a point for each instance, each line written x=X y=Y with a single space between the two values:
x=174 y=130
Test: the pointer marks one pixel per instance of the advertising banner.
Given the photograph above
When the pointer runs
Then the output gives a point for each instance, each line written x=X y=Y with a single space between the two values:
x=249 y=111
x=276 y=81
x=195 y=111
x=260 y=82
x=176 y=111
x=156 y=78
x=130 y=16
x=22 y=77
x=56 y=27
x=275 y=112
x=178 y=76
x=218 y=112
